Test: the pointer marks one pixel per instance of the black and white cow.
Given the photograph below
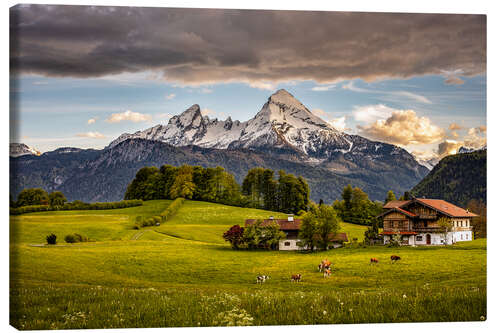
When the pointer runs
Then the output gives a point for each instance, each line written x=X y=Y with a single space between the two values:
x=262 y=278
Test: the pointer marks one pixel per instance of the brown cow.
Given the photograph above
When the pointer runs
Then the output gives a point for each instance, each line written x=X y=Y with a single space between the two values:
x=296 y=277
x=373 y=261
x=395 y=258
x=325 y=264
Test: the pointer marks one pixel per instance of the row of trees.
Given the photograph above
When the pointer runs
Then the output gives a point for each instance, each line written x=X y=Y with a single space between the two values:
x=285 y=194
x=38 y=196
x=189 y=182
x=260 y=189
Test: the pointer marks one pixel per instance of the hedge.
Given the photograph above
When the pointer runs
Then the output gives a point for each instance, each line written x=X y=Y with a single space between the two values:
x=172 y=209
x=77 y=205
x=158 y=219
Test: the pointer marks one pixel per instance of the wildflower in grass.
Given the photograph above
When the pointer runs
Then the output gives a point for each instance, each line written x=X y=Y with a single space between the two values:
x=482 y=318
x=324 y=312
x=234 y=317
x=404 y=296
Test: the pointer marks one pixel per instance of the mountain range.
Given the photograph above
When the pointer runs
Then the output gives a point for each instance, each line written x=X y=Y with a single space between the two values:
x=284 y=134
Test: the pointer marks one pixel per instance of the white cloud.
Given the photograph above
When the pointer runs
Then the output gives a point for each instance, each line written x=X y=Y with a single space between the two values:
x=91 y=121
x=338 y=123
x=128 y=116
x=207 y=112
x=323 y=88
x=454 y=126
x=371 y=113
x=449 y=147
x=170 y=96
x=262 y=85
x=410 y=95
x=403 y=127
x=350 y=86
x=163 y=116
x=91 y=135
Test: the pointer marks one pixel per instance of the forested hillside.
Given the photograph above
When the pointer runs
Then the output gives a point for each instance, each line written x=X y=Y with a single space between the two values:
x=456 y=178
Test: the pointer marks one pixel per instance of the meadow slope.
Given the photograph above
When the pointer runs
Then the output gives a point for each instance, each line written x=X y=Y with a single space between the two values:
x=182 y=273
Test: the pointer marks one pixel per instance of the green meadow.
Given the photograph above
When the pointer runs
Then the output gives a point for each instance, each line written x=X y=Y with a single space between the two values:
x=182 y=273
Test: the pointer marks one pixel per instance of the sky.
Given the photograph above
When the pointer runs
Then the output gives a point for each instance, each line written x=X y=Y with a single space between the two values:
x=81 y=76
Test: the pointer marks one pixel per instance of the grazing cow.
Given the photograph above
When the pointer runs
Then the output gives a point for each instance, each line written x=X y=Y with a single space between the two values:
x=325 y=264
x=327 y=272
x=296 y=277
x=262 y=278
x=373 y=261
x=395 y=258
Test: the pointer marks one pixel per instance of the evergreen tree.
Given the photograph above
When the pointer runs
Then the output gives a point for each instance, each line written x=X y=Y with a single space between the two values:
x=390 y=197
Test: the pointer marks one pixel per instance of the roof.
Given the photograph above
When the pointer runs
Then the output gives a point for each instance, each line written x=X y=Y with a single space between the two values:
x=338 y=237
x=284 y=224
x=446 y=208
x=441 y=206
x=399 y=233
x=399 y=210
x=395 y=203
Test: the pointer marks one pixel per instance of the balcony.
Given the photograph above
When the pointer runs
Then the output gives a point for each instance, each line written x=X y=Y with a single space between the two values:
x=426 y=229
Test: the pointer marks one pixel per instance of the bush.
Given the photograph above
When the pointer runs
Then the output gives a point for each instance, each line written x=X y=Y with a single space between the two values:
x=51 y=239
x=70 y=239
x=172 y=209
x=75 y=238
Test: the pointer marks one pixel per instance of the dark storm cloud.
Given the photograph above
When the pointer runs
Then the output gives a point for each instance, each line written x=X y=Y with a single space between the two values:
x=193 y=46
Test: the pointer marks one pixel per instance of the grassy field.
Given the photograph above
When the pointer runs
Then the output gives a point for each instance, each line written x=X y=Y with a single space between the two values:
x=183 y=274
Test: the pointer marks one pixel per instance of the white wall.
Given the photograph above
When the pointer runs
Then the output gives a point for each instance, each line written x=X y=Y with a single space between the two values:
x=292 y=247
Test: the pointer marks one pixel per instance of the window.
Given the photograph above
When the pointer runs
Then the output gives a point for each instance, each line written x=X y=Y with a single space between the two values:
x=287 y=243
x=462 y=236
x=419 y=238
x=467 y=236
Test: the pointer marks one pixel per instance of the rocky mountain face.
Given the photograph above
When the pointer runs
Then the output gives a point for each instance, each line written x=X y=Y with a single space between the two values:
x=284 y=134
x=20 y=149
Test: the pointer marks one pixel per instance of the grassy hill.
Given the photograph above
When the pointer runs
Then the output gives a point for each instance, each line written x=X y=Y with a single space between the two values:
x=183 y=274
x=456 y=178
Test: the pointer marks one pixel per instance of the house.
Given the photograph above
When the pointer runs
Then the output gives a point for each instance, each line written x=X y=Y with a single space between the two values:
x=291 y=227
x=416 y=222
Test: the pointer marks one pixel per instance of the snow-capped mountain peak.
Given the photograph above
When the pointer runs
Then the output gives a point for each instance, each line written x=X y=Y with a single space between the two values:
x=20 y=149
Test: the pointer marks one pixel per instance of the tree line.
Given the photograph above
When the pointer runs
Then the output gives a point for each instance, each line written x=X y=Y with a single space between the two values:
x=260 y=189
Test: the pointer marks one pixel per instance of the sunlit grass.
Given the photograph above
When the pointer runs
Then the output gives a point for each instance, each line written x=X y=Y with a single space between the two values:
x=107 y=282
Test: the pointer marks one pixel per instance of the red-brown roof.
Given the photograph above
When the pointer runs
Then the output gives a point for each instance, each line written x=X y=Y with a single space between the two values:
x=446 y=208
x=338 y=237
x=395 y=203
x=405 y=212
x=440 y=205
x=399 y=232
x=284 y=224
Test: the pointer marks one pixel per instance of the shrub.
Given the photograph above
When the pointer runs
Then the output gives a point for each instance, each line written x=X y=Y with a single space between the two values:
x=51 y=239
x=76 y=205
x=70 y=239
x=172 y=209
x=75 y=238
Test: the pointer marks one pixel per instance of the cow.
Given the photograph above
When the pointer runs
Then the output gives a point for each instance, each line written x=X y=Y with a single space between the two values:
x=395 y=258
x=296 y=277
x=325 y=264
x=262 y=278
x=327 y=272
x=373 y=261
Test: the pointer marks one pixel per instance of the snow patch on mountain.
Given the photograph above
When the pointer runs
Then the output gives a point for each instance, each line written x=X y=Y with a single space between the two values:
x=20 y=149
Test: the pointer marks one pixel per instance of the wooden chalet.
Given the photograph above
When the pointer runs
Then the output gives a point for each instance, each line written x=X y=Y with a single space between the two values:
x=416 y=221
